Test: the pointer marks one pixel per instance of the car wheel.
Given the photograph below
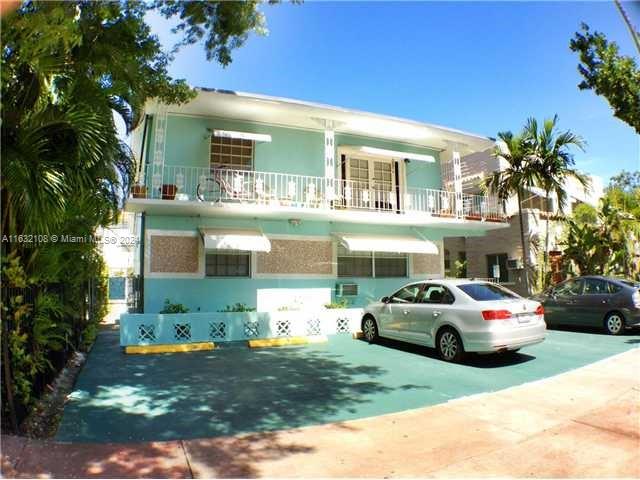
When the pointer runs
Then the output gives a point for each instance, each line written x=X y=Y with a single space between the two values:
x=370 y=329
x=614 y=323
x=449 y=345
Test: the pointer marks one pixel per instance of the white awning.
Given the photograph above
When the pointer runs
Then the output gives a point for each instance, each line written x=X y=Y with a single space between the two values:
x=256 y=137
x=390 y=244
x=224 y=239
x=383 y=152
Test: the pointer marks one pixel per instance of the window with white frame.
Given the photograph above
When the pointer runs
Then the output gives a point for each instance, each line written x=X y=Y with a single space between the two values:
x=228 y=263
x=235 y=153
x=371 y=264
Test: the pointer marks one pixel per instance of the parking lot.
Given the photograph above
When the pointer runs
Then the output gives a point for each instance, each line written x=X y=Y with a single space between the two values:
x=126 y=398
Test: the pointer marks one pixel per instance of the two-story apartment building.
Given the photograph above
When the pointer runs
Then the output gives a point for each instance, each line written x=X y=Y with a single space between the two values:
x=275 y=203
x=498 y=255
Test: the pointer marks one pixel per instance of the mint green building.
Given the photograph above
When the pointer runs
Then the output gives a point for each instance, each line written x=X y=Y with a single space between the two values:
x=286 y=205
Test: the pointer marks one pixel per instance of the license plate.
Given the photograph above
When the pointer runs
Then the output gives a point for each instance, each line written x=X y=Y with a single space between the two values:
x=525 y=318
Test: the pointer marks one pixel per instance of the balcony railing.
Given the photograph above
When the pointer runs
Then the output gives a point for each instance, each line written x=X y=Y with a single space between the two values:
x=303 y=191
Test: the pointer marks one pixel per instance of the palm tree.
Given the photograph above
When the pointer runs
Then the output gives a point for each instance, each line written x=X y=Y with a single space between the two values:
x=520 y=173
x=551 y=150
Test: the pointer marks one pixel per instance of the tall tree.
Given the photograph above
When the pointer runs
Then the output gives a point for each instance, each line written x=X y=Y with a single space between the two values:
x=67 y=67
x=520 y=173
x=552 y=151
x=614 y=76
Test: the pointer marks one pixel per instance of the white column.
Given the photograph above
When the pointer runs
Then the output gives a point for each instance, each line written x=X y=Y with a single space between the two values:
x=329 y=154
x=157 y=171
x=457 y=183
x=329 y=164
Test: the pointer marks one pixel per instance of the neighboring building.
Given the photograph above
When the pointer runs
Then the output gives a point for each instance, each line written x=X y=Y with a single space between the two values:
x=498 y=255
x=119 y=250
x=276 y=203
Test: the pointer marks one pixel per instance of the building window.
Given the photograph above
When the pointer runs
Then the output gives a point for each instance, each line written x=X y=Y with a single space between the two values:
x=371 y=264
x=232 y=153
x=228 y=263
x=354 y=264
x=390 y=264
x=497 y=267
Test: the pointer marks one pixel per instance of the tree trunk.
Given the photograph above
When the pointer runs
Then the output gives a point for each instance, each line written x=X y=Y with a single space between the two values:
x=545 y=259
x=525 y=260
x=8 y=378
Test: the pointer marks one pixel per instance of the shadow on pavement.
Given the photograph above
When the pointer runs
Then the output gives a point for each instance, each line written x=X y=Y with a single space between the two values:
x=226 y=391
x=471 y=360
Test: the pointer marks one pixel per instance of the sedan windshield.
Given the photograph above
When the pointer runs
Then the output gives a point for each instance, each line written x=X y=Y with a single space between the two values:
x=484 y=292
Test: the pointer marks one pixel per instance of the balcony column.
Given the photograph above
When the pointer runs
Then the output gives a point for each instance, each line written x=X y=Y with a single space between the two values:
x=329 y=162
x=329 y=155
x=157 y=170
x=457 y=183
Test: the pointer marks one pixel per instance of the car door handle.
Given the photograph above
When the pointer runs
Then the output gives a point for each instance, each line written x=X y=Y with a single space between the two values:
x=605 y=301
x=437 y=313
x=405 y=312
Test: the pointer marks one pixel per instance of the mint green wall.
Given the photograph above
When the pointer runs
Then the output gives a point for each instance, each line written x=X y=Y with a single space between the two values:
x=212 y=294
x=290 y=151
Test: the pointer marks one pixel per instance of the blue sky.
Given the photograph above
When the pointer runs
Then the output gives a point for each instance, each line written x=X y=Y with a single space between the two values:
x=480 y=67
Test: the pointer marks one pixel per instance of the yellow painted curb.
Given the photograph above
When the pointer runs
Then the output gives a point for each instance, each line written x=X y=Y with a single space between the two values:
x=185 y=347
x=281 y=342
x=358 y=335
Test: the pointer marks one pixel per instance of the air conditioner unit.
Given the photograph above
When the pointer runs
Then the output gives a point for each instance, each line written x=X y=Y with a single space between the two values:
x=346 y=290
x=514 y=264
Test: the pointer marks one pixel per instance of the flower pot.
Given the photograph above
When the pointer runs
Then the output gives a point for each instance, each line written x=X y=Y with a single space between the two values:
x=138 y=191
x=169 y=191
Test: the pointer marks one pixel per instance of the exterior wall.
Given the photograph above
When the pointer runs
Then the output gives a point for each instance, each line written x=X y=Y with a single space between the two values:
x=293 y=151
x=297 y=257
x=174 y=254
x=302 y=256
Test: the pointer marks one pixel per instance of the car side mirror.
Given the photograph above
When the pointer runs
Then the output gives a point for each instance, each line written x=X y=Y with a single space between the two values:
x=385 y=299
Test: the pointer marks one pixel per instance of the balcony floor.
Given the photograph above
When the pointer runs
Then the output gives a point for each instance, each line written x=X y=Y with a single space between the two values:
x=189 y=208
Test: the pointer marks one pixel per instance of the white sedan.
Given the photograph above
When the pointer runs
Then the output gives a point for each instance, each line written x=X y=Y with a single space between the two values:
x=456 y=316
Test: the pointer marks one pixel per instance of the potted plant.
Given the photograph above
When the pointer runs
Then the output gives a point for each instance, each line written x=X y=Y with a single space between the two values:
x=169 y=191
x=139 y=190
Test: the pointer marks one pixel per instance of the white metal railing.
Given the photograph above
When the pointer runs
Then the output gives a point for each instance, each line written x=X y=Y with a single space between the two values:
x=303 y=191
x=482 y=207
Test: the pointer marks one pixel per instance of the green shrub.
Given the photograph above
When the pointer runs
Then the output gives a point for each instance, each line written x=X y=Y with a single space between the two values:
x=342 y=303
x=173 y=307
x=238 y=307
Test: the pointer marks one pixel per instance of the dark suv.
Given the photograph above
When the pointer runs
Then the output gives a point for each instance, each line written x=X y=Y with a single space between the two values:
x=593 y=301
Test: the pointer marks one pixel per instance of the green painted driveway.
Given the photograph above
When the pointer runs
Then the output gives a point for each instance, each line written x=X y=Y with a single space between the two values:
x=121 y=398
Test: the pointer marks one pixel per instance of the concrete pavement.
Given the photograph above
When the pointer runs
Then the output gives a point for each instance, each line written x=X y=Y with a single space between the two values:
x=583 y=423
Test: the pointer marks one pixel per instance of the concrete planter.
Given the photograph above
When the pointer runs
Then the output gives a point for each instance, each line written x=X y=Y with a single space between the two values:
x=157 y=328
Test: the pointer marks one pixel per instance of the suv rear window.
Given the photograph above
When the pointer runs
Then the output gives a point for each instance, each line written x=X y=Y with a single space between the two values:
x=485 y=292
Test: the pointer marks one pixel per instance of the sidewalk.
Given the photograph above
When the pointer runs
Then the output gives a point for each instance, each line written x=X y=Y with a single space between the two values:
x=584 y=423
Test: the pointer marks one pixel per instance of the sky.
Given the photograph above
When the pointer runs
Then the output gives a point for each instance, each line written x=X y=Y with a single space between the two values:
x=479 y=67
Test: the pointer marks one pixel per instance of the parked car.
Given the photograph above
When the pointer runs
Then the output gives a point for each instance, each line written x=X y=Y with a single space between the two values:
x=593 y=301
x=456 y=316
